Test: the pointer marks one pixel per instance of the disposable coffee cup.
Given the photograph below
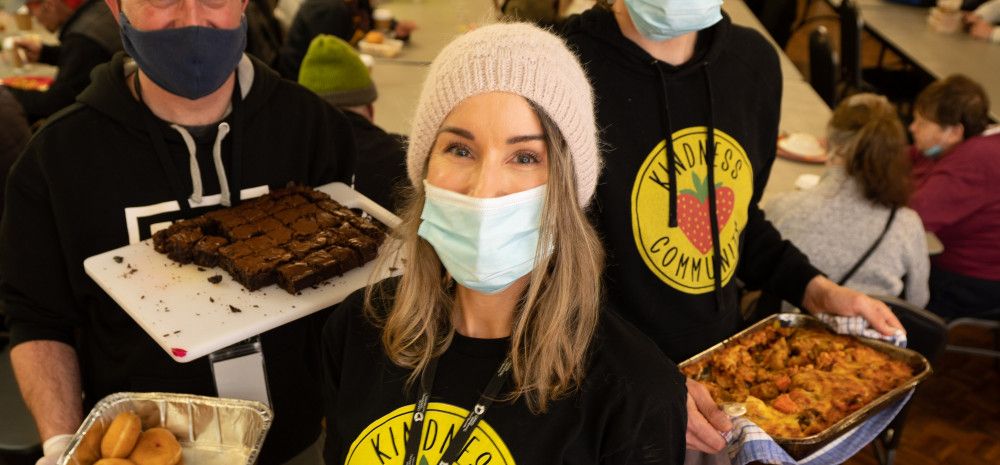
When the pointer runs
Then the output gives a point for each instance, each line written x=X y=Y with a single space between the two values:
x=949 y=5
x=382 y=18
x=23 y=20
x=10 y=53
x=944 y=22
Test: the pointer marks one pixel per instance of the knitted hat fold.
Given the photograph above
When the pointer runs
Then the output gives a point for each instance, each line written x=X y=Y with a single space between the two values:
x=517 y=58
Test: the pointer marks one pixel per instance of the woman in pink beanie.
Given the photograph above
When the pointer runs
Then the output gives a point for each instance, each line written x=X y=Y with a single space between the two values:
x=494 y=345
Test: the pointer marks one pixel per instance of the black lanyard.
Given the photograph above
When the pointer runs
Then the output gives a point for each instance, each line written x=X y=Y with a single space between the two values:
x=468 y=426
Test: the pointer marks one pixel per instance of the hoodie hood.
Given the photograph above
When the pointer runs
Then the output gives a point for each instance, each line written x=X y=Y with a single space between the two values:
x=600 y=25
x=109 y=94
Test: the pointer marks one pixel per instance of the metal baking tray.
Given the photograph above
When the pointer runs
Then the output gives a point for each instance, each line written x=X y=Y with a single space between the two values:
x=800 y=448
x=211 y=430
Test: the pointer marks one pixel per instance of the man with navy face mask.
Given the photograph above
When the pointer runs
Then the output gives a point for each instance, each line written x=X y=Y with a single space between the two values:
x=184 y=124
x=680 y=219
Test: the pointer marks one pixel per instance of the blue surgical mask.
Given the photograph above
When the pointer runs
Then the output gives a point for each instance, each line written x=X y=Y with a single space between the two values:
x=191 y=61
x=666 y=19
x=485 y=244
x=933 y=151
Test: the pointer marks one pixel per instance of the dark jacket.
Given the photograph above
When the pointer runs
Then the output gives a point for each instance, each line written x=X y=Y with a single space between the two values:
x=89 y=37
x=629 y=409
x=14 y=135
x=381 y=170
x=661 y=240
x=101 y=173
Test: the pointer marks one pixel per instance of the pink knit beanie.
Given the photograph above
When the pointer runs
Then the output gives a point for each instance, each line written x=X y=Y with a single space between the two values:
x=521 y=59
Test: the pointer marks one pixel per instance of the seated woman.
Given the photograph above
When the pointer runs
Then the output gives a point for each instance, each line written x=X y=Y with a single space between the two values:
x=856 y=221
x=956 y=165
x=494 y=346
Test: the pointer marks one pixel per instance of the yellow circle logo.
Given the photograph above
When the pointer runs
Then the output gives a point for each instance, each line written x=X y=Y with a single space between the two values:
x=682 y=256
x=384 y=441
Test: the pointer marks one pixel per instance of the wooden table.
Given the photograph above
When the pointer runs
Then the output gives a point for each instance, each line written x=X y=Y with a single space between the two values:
x=904 y=29
x=802 y=109
x=399 y=79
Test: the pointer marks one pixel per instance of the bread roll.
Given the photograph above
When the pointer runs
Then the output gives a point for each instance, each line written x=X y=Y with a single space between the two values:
x=115 y=462
x=122 y=435
x=157 y=446
x=374 y=37
x=89 y=450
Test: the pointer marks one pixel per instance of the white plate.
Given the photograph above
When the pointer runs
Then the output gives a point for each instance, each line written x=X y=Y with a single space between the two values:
x=802 y=144
x=190 y=317
x=388 y=48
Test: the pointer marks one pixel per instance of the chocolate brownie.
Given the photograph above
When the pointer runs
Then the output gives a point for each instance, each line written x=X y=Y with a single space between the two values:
x=257 y=270
x=180 y=246
x=366 y=247
x=206 y=251
x=294 y=236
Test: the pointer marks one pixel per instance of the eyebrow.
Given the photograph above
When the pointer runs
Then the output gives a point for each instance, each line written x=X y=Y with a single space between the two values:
x=468 y=135
x=458 y=132
x=519 y=139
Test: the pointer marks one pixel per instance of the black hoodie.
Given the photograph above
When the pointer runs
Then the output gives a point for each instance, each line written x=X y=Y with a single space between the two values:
x=102 y=173
x=661 y=241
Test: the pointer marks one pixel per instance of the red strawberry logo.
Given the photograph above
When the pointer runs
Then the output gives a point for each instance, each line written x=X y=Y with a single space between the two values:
x=692 y=212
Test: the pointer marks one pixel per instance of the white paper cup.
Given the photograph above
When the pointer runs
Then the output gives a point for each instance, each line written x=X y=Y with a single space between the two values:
x=382 y=18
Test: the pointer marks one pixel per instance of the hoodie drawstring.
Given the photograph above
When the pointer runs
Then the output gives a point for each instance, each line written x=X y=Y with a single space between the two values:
x=710 y=179
x=669 y=150
x=712 y=207
x=220 y=168
x=196 y=190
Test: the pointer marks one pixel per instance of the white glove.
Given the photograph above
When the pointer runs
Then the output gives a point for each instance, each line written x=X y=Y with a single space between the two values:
x=53 y=448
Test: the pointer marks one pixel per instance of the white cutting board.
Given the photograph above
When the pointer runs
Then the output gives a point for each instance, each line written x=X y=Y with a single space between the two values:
x=189 y=317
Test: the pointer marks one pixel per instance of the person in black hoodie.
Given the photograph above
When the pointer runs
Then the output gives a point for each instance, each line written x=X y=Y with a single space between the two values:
x=682 y=69
x=147 y=144
x=88 y=36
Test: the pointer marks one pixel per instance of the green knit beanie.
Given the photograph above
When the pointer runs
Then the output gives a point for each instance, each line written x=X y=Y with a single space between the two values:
x=335 y=72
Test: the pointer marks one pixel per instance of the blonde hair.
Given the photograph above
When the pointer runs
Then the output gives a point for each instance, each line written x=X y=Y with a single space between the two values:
x=556 y=317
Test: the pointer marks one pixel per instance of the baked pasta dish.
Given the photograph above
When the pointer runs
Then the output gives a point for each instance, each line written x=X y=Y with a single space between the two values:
x=796 y=382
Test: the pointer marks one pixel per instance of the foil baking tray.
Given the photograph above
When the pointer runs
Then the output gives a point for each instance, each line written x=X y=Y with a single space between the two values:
x=800 y=448
x=211 y=430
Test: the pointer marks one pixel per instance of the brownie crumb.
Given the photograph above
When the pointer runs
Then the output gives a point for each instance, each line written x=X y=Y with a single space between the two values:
x=117 y=259
x=234 y=309
x=141 y=297
x=256 y=306
x=215 y=279
x=211 y=300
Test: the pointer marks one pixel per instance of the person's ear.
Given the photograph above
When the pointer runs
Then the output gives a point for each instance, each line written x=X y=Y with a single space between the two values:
x=955 y=133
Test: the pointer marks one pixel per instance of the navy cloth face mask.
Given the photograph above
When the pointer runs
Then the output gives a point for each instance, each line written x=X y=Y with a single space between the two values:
x=191 y=61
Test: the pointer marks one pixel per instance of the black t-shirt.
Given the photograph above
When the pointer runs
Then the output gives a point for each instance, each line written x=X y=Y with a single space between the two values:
x=630 y=408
